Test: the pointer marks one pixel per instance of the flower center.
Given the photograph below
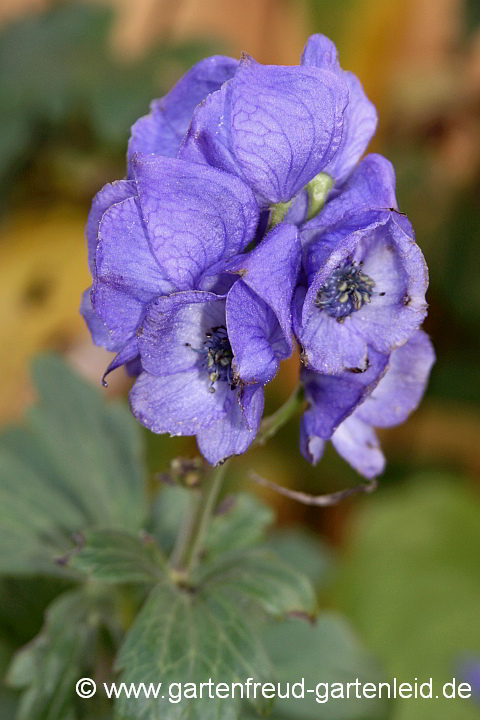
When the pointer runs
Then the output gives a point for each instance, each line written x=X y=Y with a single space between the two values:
x=217 y=356
x=346 y=290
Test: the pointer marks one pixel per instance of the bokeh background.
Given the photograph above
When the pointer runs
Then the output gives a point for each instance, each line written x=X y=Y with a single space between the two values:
x=74 y=77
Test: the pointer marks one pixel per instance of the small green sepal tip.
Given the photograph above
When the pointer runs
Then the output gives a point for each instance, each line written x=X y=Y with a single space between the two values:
x=278 y=212
x=318 y=189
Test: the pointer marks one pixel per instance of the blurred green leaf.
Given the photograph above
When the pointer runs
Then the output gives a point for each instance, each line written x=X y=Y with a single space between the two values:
x=261 y=577
x=78 y=465
x=8 y=698
x=460 y=280
x=14 y=138
x=324 y=652
x=38 y=54
x=329 y=18
x=472 y=15
x=58 y=74
x=304 y=551
x=243 y=522
x=185 y=637
x=118 y=557
x=412 y=585
x=48 y=668
x=23 y=601
x=456 y=377
x=118 y=95
x=168 y=510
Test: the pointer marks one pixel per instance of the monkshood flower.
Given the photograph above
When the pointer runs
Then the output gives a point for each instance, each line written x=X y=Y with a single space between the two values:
x=346 y=408
x=189 y=384
x=172 y=228
x=366 y=277
x=246 y=214
x=162 y=131
x=206 y=357
x=280 y=127
x=185 y=227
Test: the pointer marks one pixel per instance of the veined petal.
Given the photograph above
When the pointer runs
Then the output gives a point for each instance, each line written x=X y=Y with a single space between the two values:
x=95 y=324
x=257 y=340
x=179 y=404
x=360 y=123
x=395 y=262
x=124 y=259
x=271 y=271
x=162 y=131
x=360 y=118
x=370 y=187
x=126 y=356
x=358 y=444
x=286 y=125
x=122 y=313
x=320 y=52
x=401 y=389
x=197 y=217
x=330 y=346
x=127 y=276
x=275 y=127
x=391 y=308
x=312 y=447
x=250 y=399
x=172 y=335
x=208 y=139
x=332 y=398
x=109 y=195
x=233 y=434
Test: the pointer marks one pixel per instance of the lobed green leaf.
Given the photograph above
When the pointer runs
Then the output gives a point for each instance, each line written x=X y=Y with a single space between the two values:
x=182 y=636
x=261 y=577
x=118 y=557
x=77 y=465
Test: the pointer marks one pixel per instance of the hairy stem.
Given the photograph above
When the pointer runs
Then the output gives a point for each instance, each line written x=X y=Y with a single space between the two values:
x=191 y=537
x=271 y=424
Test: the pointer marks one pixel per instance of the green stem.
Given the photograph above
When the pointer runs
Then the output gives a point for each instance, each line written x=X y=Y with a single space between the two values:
x=192 y=534
x=271 y=424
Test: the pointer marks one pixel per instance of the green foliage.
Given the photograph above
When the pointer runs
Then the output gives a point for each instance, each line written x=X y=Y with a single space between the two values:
x=473 y=15
x=260 y=576
x=118 y=557
x=241 y=521
x=412 y=584
x=73 y=504
x=8 y=699
x=306 y=552
x=242 y=525
x=190 y=637
x=77 y=465
x=49 y=667
x=58 y=73
x=463 y=255
x=23 y=601
x=325 y=652
x=168 y=509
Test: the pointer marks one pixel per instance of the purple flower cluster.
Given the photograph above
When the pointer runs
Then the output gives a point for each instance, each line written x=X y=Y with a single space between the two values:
x=247 y=219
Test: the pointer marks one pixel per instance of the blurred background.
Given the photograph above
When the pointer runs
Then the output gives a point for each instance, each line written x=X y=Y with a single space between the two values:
x=74 y=76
